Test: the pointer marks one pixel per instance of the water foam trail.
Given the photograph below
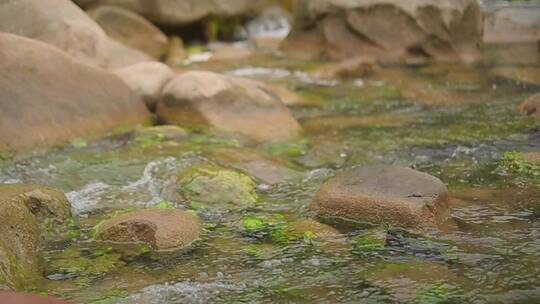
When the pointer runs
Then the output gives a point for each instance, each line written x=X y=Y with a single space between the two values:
x=86 y=199
x=183 y=292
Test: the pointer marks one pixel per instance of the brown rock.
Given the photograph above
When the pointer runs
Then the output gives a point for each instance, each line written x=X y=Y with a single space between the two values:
x=175 y=13
x=64 y=25
x=383 y=194
x=390 y=29
x=230 y=103
x=163 y=229
x=48 y=97
x=147 y=79
x=130 y=29
x=530 y=106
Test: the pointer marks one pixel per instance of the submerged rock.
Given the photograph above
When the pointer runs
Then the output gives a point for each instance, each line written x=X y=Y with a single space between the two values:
x=163 y=229
x=66 y=99
x=447 y=29
x=264 y=167
x=353 y=67
x=530 y=106
x=529 y=75
x=64 y=25
x=212 y=185
x=130 y=29
x=147 y=79
x=230 y=103
x=383 y=194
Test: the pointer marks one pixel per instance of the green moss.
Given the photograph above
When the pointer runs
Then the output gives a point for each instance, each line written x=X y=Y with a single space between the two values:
x=269 y=228
x=515 y=162
x=79 y=143
x=164 y=205
x=213 y=185
x=289 y=149
x=372 y=241
x=434 y=294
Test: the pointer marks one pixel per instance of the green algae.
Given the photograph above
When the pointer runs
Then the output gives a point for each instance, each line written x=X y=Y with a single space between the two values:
x=213 y=185
x=515 y=162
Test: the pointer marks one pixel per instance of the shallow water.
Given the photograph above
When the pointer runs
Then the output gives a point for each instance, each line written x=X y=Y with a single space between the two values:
x=452 y=121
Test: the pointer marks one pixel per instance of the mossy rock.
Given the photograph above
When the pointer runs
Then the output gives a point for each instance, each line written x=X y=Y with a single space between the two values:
x=50 y=207
x=526 y=164
x=370 y=241
x=74 y=261
x=18 y=245
x=212 y=185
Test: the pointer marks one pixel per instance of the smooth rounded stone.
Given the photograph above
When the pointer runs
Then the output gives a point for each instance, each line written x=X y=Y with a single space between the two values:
x=262 y=166
x=162 y=229
x=22 y=298
x=383 y=194
x=230 y=103
x=213 y=185
x=131 y=29
x=64 y=25
x=231 y=52
x=530 y=106
x=147 y=79
x=49 y=206
x=67 y=99
x=441 y=29
x=173 y=13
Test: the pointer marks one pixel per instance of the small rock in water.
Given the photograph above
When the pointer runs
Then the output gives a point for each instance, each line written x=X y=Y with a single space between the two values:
x=383 y=194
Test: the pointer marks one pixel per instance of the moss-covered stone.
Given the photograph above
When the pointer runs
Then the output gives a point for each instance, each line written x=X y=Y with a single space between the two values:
x=523 y=164
x=49 y=206
x=213 y=185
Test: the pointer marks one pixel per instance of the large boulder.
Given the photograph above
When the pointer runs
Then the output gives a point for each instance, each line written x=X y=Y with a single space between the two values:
x=225 y=102
x=162 y=229
x=387 y=29
x=383 y=194
x=530 y=106
x=181 y=12
x=28 y=213
x=48 y=97
x=64 y=25
x=147 y=79
x=131 y=29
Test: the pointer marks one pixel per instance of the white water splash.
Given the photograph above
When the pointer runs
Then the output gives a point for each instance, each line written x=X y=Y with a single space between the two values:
x=87 y=198
x=182 y=292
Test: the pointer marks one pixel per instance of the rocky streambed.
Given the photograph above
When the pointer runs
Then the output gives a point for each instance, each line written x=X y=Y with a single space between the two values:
x=265 y=177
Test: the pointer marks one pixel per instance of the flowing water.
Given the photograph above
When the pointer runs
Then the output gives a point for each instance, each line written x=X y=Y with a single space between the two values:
x=453 y=121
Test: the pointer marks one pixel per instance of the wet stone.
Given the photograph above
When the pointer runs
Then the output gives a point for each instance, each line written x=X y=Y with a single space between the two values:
x=383 y=194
